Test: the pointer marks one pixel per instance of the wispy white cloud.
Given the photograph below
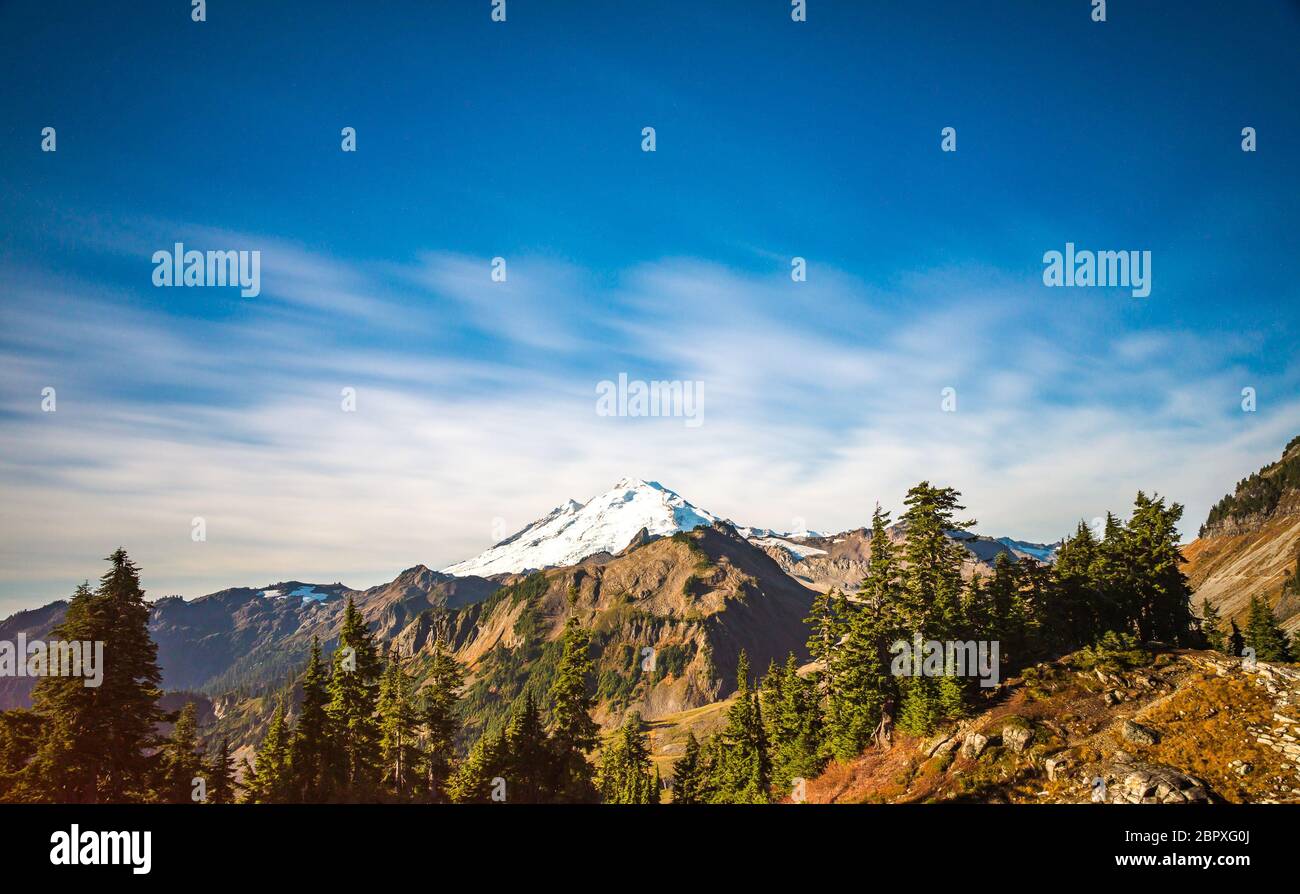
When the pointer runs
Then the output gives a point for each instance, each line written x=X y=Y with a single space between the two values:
x=820 y=399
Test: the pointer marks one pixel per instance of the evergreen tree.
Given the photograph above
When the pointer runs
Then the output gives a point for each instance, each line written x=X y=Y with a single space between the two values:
x=742 y=773
x=1236 y=642
x=354 y=694
x=932 y=584
x=920 y=710
x=475 y=780
x=1211 y=626
x=573 y=733
x=180 y=760
x=529 y=765
x=792 y=724
x=20 y=731
x=826 y=627
x=1007 y=609
x=398 y=722
x=441 y=721
x=221 y=776
x=1080 y=591
x=626 y=775
x=951 y=696
x=1161 y=596
x=1110 y=573
x=691 y=774
x=312 y=745
x=1263 y=633
x=855 y=711
x=931 y=597
x=97 y=743
x=270 y=780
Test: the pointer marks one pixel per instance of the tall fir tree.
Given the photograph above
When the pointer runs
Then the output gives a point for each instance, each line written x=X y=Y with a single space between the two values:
x=626 y=774
x=792 y=722
x=574 y=734
x=530 y=763
x=931 y=597
x=691 y=774
x=1212 y=626
x=742 y=773
x=354 y=695
x=97 y=744
x=399 y=749
x=856 y=710
x=181 y=761
x=1080 y=593
x=826 y=627
x=1264 y=635
x=221 y=775
x=1160 y=593
x=441 y=718
x=270 y=780
x=312 y=741
x=932 y=583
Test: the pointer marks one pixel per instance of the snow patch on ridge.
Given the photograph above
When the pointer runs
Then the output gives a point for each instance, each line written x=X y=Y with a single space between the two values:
x=798 y=550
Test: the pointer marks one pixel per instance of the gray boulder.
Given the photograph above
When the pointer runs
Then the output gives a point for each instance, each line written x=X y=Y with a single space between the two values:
x=1155 y=784
x=1139 y=734
x=974 y=745
x=1016 y=737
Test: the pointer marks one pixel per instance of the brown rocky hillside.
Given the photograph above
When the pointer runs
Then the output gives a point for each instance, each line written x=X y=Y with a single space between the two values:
x=1250 y=542
x=695 y=599
x=1187 y=727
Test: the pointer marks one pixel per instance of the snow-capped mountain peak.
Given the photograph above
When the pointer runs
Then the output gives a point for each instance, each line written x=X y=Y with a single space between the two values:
x=573 y=531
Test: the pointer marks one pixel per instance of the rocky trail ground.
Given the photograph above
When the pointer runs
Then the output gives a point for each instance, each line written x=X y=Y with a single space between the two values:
x=1190 y=726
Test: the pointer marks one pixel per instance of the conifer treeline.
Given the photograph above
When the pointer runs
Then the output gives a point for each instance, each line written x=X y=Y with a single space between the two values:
x=362 y=732
x=1127 y=583
x=80 y=744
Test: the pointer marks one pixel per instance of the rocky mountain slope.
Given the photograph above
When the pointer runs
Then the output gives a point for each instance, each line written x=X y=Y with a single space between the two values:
x=839 y=561
x=668 y=615
x=1186 y=727
x=1251 y=541
x=247 y=637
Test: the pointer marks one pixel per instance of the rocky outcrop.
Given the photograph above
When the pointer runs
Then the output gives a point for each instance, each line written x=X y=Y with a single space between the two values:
x=973 y=745
x=1139 y=783
x=1016 y=737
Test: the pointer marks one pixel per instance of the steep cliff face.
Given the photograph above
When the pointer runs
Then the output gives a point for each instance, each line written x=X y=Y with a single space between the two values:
x=1270 y=493
x=1250 y=543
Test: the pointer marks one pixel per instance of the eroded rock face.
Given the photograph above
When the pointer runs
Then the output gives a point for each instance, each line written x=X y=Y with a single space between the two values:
x=1154 y=784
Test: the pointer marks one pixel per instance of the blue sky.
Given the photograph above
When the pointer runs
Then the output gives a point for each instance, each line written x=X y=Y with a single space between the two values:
x=522 y=140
